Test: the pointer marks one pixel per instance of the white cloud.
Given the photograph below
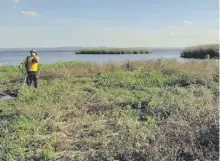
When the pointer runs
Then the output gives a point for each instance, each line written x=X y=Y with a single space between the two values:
x=172 y=34
x=187 y=22
x=30 y=13
x=176 y=34
x=181 y=34
x=15 y=3
x=182 y=30
x=172 y=26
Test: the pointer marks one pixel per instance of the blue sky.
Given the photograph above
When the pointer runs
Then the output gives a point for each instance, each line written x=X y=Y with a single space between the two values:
x=118 y=23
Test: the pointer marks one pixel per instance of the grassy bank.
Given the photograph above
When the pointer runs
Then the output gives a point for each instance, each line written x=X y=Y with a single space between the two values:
x=202 y=51
x=113 y=51
x=135 y=111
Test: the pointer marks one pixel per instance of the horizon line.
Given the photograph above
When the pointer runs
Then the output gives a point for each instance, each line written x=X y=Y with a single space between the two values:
x=82 y=47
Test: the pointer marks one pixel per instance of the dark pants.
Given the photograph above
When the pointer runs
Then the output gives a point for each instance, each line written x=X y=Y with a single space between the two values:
x=32 y=78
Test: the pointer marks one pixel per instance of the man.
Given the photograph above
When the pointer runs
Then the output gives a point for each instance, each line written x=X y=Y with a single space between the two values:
x=31 y=65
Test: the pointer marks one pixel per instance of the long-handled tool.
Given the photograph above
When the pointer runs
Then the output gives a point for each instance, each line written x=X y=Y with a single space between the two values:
x=25 y=78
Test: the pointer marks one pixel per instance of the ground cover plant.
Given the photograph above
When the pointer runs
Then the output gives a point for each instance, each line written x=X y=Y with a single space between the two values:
x=131 y=111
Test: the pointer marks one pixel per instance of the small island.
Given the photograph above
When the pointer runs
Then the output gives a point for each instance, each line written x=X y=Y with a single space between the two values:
x=201 y=52
x=113 y=51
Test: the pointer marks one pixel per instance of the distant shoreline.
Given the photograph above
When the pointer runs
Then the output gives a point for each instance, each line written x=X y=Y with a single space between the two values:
x=37 y=51
x=75 y=49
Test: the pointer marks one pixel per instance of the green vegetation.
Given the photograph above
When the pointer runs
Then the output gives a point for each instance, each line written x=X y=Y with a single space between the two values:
x=135 y=111
x=202 y=51
x=113 y=51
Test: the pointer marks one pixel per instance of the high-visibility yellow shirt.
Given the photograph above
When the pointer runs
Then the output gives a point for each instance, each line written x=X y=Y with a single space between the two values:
x=32 y=64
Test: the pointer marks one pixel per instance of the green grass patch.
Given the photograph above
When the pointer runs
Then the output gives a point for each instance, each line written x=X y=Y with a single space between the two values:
x=150 y=110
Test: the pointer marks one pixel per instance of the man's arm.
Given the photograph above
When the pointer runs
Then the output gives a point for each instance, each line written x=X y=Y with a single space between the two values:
x=36 y=58
x=23 y=62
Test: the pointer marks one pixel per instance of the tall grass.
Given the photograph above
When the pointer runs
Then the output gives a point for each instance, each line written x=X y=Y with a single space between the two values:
x=202 y=51
x=113 y=51
x=131 y=111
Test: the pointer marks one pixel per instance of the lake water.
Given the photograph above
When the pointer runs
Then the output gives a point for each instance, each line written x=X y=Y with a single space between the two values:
x=14 y=58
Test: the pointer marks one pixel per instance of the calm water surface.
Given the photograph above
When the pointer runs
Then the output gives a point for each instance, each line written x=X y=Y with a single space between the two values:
x=14 y=58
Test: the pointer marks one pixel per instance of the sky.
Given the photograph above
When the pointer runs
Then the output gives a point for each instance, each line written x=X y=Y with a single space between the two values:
x=112 y=23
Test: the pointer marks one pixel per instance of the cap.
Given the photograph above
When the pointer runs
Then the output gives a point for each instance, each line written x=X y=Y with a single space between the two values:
x=33 y=51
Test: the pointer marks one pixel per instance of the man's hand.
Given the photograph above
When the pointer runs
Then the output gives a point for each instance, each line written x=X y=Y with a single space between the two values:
x=35 y=58
x=21 y=64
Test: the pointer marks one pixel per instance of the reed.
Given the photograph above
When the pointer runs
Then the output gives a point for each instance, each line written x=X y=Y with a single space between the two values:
x=201 y=51
x=113 y=51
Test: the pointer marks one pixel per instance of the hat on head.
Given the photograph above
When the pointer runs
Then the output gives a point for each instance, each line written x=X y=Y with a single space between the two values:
x=33 y=51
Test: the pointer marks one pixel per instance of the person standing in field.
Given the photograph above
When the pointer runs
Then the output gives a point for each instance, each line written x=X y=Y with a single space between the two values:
x=31 y=65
